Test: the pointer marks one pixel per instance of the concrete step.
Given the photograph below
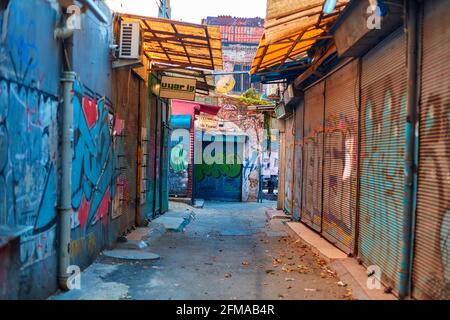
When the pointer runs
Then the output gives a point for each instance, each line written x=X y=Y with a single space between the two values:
x=276 y=214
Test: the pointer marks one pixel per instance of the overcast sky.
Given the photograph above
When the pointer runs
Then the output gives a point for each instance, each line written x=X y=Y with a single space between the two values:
x=194 y=10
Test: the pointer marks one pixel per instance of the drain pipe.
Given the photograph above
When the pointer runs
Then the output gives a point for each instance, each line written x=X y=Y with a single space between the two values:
x=412 y=29
x=65 y=207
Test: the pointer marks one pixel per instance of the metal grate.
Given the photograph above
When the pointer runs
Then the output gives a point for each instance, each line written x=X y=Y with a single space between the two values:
x=431 y=265
x=341 y=156
x=298 y=160
x=313 y=156
x=383 y=114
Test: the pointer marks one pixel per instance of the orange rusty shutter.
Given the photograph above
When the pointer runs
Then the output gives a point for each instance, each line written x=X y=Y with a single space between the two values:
x=431 y=265
x=289 y=163
x=382 y=154
x=341 y=156
x=298 y=162
x=313 y=156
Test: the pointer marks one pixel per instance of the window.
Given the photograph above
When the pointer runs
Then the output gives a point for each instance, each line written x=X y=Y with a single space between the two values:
x=238 y=78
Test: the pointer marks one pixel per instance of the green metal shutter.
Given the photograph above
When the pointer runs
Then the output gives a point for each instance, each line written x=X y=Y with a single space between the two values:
x=289 y=164
x=383 y=112
x=165 y=135
x=341 y=156
x=313 y=156
x=298 y=162
x=431 y=266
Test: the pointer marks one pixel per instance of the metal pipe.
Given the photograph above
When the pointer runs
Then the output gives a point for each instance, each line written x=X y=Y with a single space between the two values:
x=410 y=150
x=63 y=33
x=95 y=10
x=65 y=205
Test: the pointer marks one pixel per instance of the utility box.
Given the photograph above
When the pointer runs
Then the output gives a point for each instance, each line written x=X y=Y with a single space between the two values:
x=130 y=40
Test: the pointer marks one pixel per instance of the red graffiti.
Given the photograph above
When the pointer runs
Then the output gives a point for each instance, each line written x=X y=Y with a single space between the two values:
x=104 y=206
x=83 y=212
x=90 y=111
x=118 y=126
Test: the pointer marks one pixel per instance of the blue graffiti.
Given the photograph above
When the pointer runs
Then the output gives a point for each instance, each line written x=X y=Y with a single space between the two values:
x=93 y=168
x=382 y=180
x=28 y=154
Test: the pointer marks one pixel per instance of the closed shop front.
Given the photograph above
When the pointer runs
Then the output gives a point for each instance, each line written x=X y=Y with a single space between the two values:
x=431 y=264
x=220 y=180
x=127 y=136
x=180 y=155
x=341 y=156
x=298 y=163
x=288 y=176
x=382 y=153
x=313 y=156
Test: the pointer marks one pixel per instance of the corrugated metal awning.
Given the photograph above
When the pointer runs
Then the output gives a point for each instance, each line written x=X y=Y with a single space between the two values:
x=178 y=43
x=292 y=28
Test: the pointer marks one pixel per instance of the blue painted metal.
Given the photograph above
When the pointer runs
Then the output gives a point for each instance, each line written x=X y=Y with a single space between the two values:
x=30 y=68
x=382 y=155
x=288 y=71
x=219 y=181
x=329 y=6
x=180 y=121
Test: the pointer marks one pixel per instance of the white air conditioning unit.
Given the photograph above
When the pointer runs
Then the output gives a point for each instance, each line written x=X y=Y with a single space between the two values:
x=130 y=41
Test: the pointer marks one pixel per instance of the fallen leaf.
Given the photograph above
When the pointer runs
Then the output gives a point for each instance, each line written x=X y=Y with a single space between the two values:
x=276 y=261
x=289 y=279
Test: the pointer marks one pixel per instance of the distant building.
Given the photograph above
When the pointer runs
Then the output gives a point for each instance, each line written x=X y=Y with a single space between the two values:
x=240 y=40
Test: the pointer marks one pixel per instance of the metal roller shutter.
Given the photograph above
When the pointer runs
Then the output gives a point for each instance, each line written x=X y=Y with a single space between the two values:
x=298 y=163
x=313 y=156
x=289 y=164
x=383 y=112
x=341 y=156
x=431 y=266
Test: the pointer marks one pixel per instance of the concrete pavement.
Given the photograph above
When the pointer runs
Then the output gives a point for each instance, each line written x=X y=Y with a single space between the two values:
x=229 y=251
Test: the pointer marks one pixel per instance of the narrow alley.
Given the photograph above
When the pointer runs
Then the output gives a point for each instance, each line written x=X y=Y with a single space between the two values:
x=228 y=252
x=224 y=150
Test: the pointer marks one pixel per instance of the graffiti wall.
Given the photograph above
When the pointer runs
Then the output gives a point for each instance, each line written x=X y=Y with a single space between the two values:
x=313 y=156
x=382 y=156
x=341 y=157
x=29 y=80
x=220 y=177
x=180 y=155
x=288 y=175
x=252 y=124
x=298 y=163
x=431 y=267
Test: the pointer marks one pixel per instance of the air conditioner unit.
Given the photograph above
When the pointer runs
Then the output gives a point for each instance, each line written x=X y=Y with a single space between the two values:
x=130 y=41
